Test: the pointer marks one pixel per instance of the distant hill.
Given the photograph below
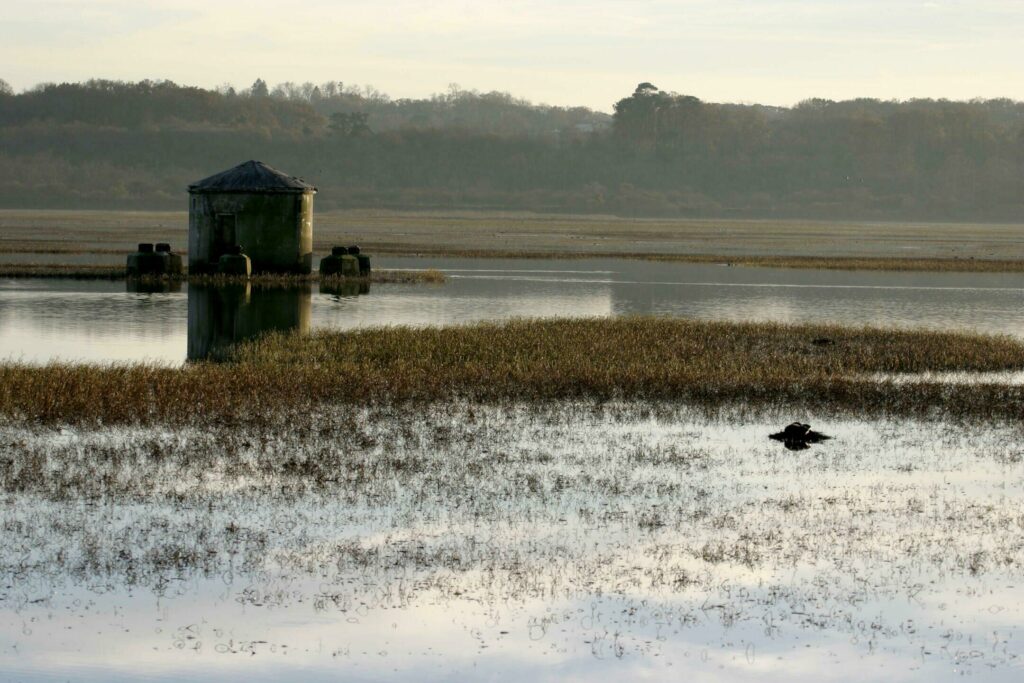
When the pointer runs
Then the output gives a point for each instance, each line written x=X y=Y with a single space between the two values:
x=107 y=144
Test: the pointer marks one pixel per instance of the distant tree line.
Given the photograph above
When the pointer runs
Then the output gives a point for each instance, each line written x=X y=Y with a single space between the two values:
x=137 y=145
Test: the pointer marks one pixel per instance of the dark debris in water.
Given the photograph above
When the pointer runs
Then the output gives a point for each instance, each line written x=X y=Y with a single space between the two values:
x=798 y=436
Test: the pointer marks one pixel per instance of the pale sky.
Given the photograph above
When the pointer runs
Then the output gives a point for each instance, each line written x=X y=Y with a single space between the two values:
x=565 y=52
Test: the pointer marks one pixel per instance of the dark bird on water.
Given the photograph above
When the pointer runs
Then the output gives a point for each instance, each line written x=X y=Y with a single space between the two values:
x=798 y=436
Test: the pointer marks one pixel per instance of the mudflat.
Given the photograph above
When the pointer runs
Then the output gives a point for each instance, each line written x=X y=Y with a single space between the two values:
x=785 y=243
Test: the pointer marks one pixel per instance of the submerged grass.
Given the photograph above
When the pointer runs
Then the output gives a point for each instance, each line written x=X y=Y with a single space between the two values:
x=965 y=265
x=559 y=523
x=429 y=275
x=61 y=270
x=51 y=248
x=972 y=265
x=853 y=244
x=845 y=245
x=706 y=364
x=98 y=272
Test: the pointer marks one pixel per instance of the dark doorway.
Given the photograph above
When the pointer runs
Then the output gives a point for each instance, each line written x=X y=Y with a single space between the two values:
x=224 y=236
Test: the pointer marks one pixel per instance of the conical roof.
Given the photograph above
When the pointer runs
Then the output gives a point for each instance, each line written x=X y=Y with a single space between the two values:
x=252 y=176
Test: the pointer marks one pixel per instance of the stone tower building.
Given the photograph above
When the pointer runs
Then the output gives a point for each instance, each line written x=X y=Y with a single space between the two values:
x=268 y=212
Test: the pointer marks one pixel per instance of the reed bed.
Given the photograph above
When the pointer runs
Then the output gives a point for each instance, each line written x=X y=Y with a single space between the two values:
x=705 y=364
x=429 y=276
x=821 y=244
x=523 y=526
x=99 y=272
x=65 y=271
x=965 y=265
x=970 y=265
x=52 y=248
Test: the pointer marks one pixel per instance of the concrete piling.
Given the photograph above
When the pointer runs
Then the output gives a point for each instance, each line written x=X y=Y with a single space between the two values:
x=364 y=260
x=175 y=265
x=158 y=262
x=345 y=262
x=341 y=262
x=235 y=262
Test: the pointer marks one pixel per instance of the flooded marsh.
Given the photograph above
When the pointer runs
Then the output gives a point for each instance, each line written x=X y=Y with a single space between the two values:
x=44 y=320
x=497 y=233
x=459 y=483
x=572 y=539
x=706 y=364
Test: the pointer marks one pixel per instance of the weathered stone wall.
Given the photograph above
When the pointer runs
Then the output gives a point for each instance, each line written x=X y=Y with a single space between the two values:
x=306 y=231
x=275 y=229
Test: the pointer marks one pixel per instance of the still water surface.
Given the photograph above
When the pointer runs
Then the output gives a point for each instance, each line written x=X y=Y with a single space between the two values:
x=507 y=542
x=42 y=320
x=513 y=542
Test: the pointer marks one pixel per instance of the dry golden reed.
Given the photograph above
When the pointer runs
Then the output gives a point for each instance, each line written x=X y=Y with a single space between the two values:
x=917 y=264
x=100 y=272
x=61 y=270
x=705 y=364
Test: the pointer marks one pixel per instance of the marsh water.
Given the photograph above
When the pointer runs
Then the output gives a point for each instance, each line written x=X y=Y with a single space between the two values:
x=566 y=540
x=42 y=320
x=562 y=542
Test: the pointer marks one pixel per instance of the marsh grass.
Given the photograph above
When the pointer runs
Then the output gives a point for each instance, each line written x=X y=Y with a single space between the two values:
x=67 y=271
x=429 y=276
x=574 y=517
x=97 y=272
x=966 y=265
x=771 y=243
x=706 y=364
x=51 y=248
x=972 y=265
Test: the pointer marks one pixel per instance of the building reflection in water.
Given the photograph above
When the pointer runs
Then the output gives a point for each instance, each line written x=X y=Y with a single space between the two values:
x=345 y=288
x=220 y=317
x=152 y=286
